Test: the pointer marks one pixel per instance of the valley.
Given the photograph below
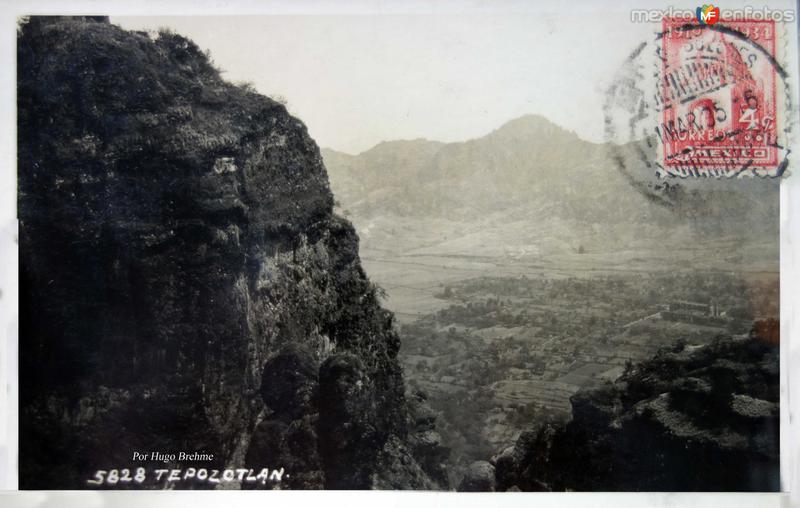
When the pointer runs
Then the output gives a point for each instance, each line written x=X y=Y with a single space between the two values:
x=518 y=278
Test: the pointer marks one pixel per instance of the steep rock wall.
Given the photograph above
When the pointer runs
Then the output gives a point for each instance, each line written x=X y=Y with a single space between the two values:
x=183 y=278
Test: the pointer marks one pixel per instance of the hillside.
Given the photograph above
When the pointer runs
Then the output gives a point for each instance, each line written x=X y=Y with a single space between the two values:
x=526 y=268
x=692 y=418
x=532 y=170
x=184 y=282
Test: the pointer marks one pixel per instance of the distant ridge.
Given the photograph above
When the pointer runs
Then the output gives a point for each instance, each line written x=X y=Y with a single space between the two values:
x=529 y=123
x=530 y=166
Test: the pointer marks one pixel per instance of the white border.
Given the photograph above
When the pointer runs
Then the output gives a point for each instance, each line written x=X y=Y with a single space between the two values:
x=790 y=286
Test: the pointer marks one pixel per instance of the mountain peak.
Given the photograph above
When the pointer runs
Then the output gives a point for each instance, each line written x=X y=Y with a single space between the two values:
x=531 y=125
x=524 y=126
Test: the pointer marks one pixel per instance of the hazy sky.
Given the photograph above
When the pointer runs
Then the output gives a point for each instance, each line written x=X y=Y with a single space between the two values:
x=356 y=80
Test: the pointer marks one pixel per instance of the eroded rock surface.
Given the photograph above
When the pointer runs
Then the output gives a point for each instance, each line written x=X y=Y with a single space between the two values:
x=185 y=285
x=691 y=419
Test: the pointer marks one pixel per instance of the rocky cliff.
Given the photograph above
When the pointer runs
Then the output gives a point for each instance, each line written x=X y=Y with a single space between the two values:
x=184 y=283
x=702 y=418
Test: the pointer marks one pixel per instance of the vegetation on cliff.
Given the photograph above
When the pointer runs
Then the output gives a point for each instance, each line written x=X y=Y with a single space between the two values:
x=185 y=285
x=702 y=418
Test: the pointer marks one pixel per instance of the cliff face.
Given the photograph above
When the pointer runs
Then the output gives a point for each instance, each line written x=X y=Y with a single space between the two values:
x=184 y=283
x=701 y=418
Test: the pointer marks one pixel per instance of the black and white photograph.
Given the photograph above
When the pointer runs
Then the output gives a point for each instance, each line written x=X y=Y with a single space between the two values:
x=509 y=248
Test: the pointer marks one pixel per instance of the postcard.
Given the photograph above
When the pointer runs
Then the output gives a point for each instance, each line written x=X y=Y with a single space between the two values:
x=509 y=248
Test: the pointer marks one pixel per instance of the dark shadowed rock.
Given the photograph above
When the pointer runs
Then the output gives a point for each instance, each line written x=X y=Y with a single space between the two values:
x=348 y=426
x=478 y=478
x=695 y=419
x=182 y=274
x=288 y=381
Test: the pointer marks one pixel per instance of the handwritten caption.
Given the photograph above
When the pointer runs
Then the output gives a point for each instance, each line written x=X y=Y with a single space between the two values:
x=142 y=475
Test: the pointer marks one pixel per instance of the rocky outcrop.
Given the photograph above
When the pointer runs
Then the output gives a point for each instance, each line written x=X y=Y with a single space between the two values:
x=478 y=478
x=701 y=418
x=425 y=441
x=184 y=283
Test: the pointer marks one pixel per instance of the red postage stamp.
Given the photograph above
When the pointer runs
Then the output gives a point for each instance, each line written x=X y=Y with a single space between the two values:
x=718 y=97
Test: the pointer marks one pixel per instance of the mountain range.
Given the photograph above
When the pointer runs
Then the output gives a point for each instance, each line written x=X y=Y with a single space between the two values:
x=533 y=170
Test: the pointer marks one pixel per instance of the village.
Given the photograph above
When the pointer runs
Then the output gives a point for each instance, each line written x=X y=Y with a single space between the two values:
x=507 y=351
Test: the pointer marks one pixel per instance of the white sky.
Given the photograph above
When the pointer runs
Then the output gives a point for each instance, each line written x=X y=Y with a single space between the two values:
x=358 y=79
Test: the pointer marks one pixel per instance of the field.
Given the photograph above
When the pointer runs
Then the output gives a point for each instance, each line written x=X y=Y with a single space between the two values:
x=503 y=320
x=497 y=344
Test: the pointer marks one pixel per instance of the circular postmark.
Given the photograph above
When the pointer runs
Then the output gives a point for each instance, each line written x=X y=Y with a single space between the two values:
x=700 y=101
